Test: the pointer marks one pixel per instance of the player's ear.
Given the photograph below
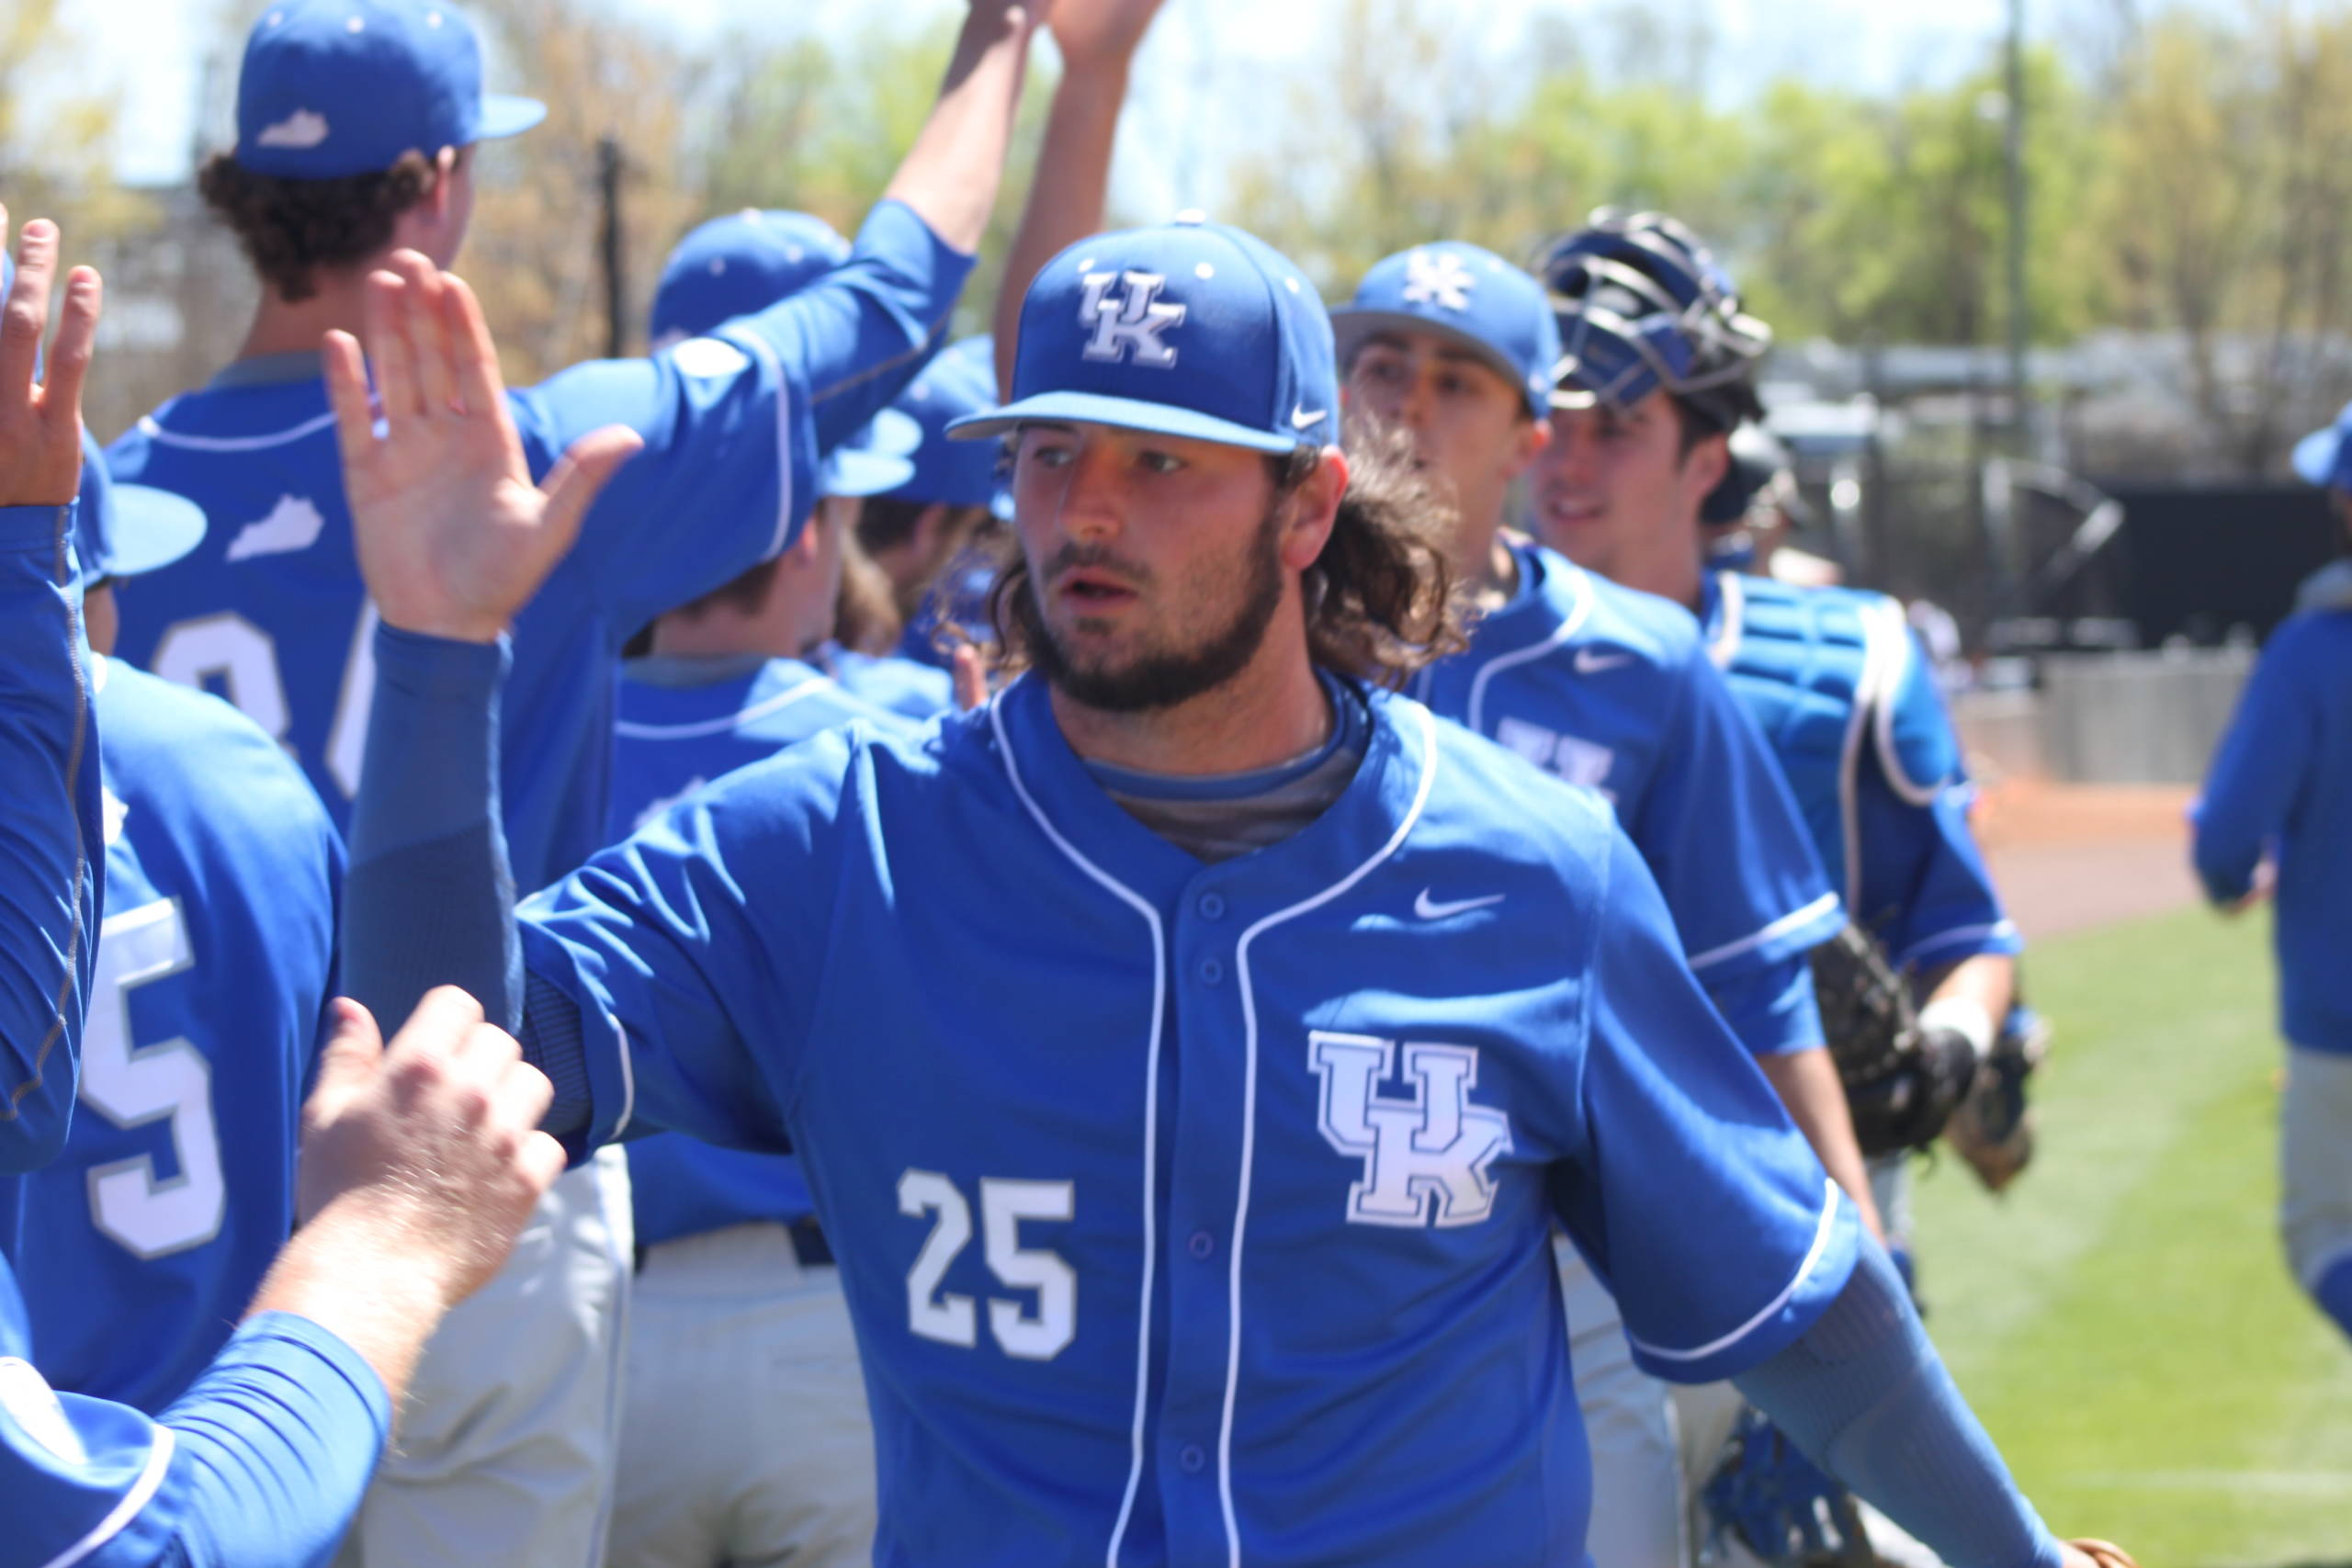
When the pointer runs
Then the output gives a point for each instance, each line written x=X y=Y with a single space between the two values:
x=1533 y=435
x=1314 y=510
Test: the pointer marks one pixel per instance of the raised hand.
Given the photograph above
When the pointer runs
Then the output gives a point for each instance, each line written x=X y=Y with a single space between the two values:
x=430 y=1145
x=41 y=422
x=1096 y=33
x=453 y=536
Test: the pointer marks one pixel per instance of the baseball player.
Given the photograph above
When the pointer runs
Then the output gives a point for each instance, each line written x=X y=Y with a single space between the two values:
x=143 y=1241
x=930 y=534
x=1190 y=1052
x=420 y=1167
x=1456 y=349
x=356 y=124
x=715 y=1468
x=1659 y=370
x=1662 y=362
x=51 y=895
x=2277 y=815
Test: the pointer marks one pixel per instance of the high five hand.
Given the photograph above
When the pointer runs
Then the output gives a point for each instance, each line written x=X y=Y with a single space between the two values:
x=453 y=536
x=41 y=422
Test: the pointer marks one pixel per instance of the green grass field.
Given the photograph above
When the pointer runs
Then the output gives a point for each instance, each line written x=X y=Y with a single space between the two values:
x=2122 y=1319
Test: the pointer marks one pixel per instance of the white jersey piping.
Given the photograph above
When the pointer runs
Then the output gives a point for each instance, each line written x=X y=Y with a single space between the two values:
x=1793 y=920
x=1821 y=1235
x=783 y=699
x=1250 y=1114
x=1134 y=901
x=1569 y=624
x=127 y=1507
x=766 y=354
x=154 y=431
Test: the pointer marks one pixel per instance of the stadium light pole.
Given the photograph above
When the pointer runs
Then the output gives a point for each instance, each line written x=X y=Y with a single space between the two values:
x=2020 y=309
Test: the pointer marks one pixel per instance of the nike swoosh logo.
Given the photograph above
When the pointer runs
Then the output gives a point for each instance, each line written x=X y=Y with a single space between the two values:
x=1591 y=661
x=1428 y=911
x=1301 y=418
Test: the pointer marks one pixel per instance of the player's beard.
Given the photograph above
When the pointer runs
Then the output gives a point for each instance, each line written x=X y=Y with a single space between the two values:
x=1162 y=678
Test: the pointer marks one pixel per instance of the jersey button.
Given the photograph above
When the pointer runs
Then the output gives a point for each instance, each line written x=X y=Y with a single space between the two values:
x=1193 y=1458
x=1211 y=971
x=1210 y=906
x=1202 y=1244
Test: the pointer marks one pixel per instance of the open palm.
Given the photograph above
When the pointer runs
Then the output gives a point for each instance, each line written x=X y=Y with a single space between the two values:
x=453 y=536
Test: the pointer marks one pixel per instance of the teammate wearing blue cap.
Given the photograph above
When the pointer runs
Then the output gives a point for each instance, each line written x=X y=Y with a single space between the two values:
x=733 y=1273
x=932 y=534
x=2277 y=815
x=1190 y=1052
x=420 y=1165
x=356 y=120
x=1456 y=349
x=141 y=1242
x=1659 y=370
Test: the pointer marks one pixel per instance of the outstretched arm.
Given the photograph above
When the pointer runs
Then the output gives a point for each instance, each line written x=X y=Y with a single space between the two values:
x=49 y=841
x=1098 y=39
x=453 y=540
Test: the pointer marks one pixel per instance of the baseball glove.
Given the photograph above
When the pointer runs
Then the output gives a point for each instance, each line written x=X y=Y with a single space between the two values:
x=1993 y=1128
x=1902 y=1082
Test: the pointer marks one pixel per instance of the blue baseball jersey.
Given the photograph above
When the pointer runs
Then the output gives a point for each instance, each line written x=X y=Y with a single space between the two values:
x=141 y=1246
x=262 y=1464
x=1836 y=682
x=1199 y=1214
x=1612 y=688
x=912 y=688
x=674 y=736
x=2281 y=788
x=270 y=609
x=51 y=892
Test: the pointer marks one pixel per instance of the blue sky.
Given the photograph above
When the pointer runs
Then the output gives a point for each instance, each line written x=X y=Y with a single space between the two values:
x=154 y=48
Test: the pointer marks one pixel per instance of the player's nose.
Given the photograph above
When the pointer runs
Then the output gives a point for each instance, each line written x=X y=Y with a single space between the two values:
x=1092 y=502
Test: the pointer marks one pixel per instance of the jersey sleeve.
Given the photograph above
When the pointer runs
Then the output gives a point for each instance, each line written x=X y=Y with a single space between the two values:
x=49 y=889
x=735 y=423
x=691 y=951
x=2258 y=774
x=1926 y=891
x=1730 y=853
x=1692 y=1195
x=263 y=1461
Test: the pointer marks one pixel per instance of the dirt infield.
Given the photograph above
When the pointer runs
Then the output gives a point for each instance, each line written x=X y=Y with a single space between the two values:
x=2068 y=857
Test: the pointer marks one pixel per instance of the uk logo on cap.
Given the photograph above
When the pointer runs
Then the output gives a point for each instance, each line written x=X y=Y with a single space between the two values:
x=1469 y=296
x=332 y=88
x=1190 y=328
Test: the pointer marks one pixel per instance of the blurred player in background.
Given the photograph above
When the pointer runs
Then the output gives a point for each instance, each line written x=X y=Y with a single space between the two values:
x=419 y=1163
x=934 y=535
x=2277 y=816
x=141 y=1242
x=1455 y=349
x=1659 y=372
x=745 y=1437
x=357 y=124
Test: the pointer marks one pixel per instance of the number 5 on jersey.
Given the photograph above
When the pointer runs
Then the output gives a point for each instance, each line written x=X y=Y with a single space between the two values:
x=952 y=1319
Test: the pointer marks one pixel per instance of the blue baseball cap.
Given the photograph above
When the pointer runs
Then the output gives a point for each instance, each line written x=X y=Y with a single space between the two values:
x=330 y=88
x=1190 y=328
x=874 y=461
x=123 y=530
x=1470 y=296
x=959 y=384
x=733 y=266
x=2325 y=457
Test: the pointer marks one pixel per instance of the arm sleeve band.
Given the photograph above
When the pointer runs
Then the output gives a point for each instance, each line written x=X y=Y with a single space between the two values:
x=1865 y=1396
x=428 y=899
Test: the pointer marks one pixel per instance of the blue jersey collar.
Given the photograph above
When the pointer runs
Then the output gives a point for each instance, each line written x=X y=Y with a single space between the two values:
x=1070 y=807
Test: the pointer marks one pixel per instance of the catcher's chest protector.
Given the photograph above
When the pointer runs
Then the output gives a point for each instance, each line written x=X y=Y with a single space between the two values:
x=1830 y=677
